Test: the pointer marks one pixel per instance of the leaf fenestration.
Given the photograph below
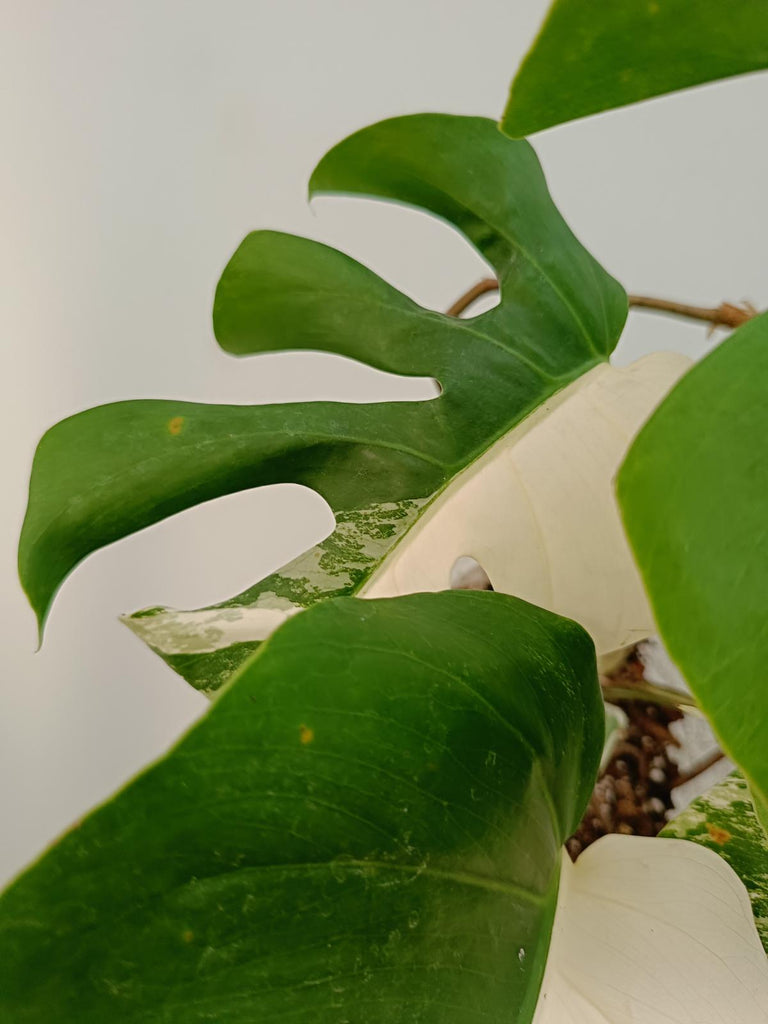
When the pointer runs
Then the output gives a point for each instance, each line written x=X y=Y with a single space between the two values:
x=376 y=465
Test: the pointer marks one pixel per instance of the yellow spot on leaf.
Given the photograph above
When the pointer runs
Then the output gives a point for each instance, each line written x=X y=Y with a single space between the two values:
x=718 y=835
x=175 y=425
x=653 y=8
x=188 y=935
x=306 y=735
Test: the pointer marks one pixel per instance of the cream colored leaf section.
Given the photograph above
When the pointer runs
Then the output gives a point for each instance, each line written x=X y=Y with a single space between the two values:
x=537 y=510
x=653 y=931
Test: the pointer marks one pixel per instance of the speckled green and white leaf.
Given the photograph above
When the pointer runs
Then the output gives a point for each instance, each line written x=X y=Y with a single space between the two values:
x=724 y=820
x=653 y=932
x=537 y=511
x=365 y=827
x=207 y=645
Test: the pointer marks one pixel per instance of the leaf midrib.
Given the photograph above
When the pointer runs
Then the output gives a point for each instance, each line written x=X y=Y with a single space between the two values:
x=462 y=878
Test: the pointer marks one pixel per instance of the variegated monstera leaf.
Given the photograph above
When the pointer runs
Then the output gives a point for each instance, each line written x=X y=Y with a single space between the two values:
x=367 y=825
x=511 y=464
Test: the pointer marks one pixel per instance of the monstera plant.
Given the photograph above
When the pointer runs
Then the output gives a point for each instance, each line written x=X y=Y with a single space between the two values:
x=368 y=825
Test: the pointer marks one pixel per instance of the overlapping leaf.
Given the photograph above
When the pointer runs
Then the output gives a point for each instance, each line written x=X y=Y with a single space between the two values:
x=112 y=470
x=366 y=826
x=654 y=932
x=586 y=59
x=694 y=495
x=536 y=511
x=723 y=819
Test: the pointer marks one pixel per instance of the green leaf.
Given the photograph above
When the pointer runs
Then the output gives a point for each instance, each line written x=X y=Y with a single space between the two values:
x=724 y=820
x=367 y=825
x=112 y=470
x=557 y=304
x=694 y=495
x=108 y=472
x=586 y=60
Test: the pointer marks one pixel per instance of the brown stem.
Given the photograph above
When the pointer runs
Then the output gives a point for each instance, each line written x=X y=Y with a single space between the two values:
x=699 y=768
x=488 y=284
x=725 y=315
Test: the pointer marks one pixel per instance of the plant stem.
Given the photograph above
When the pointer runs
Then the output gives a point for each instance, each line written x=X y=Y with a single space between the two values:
x=488 y=284
x=648 y=692
x=725 y=315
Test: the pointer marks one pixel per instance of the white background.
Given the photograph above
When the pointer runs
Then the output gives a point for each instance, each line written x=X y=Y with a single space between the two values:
x=142 y=140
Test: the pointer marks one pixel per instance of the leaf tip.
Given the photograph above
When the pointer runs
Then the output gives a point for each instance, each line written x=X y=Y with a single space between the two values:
x=39 y=597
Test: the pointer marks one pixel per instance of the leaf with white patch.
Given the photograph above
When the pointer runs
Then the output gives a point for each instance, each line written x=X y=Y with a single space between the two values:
x=536 y=511
x=367 y=825
x=724 y=820
x=413 y=485
x=654 y=932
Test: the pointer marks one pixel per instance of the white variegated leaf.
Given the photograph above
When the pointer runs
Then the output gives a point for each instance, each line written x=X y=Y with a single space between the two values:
x=537 y=511
x=653 y=931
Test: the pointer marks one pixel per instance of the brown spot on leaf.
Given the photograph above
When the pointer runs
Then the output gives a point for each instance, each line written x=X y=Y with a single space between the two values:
x=188 y=935
x=718 y=835
x=175 y=425
x=306 y=735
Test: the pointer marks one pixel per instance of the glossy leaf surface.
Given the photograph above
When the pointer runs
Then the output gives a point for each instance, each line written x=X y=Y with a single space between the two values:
x=586 y=59
x=694 y=495
x=108 y=472
x=366 y=826
x=724 y=820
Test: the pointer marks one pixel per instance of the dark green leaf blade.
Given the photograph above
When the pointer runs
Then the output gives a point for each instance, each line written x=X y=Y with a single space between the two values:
x=493 y=190
x=115 y=469
x=366 y=826
x=694 y=495
x=586 y=60
x=108 y=472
